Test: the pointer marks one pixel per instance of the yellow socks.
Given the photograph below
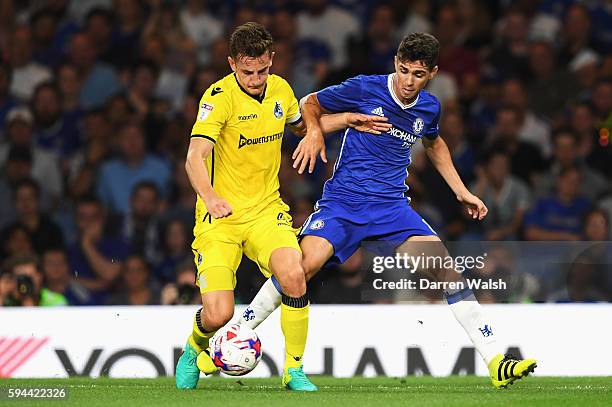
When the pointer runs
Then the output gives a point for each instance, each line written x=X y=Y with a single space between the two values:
x=294 y=323
x=198 y=338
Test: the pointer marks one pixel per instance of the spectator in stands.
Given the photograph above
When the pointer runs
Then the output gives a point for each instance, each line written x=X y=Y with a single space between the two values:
x=28 y=287
x=142 y=84
x=182 y=200
x=416 y=18
x=589 y=278
x=455 y=58
x=138 y=287
x=532 y=129
x=99 y=27
x=559 y=217
x=45 y=165
x=454 y=131
x=329 y=24
x=173 y=74
x=17 y=168
x=98 y=80
x=54 y=130
x=70 y=88
x=27 y=74
x=43 y=231
x=7 y=102
x=84 y=165
x=8 y=287
x=379 y=42
x=309 y=63
x=16 y=241
x=525 y=159
x=57 y=278
x=576 y=35
x=506 y=196
x=602 y=103
x=594 y=151
x=118 y=111
x=44 y=48
x=509 y=57
x=566 y=149
x=129 y=24
x=550 y=88
x=117 y=177
x=96 y=257
x=140 y=226
x=202 y=27
x=176 y=249
x=183 y=289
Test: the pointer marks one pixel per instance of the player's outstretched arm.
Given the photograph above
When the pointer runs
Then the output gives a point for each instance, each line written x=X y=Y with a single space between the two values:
x=312 y=145
x=199 y=150
x=317 y=121
x=438 y=153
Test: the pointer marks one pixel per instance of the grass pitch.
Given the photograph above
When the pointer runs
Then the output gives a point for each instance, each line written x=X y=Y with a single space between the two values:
x=355 y=392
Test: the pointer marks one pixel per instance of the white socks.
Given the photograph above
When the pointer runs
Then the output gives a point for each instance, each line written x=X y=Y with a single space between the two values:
x=464 y=305
x=470 y=315
x=265 y=302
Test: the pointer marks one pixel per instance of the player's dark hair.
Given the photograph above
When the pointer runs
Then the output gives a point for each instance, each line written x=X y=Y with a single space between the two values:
x=250 y=40
x=422 y=47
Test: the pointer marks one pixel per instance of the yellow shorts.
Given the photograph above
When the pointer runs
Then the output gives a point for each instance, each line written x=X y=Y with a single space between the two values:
x=219 y=247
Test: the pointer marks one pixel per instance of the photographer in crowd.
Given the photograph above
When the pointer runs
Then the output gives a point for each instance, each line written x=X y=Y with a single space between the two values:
x=21 y=284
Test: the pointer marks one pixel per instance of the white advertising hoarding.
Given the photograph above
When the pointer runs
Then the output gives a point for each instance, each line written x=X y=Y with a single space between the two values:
x=343 y=341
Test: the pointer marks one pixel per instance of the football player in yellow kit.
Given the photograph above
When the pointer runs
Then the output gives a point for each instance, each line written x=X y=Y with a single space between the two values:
x=233 y=162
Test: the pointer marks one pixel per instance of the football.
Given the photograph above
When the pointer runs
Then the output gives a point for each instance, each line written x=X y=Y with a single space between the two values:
x=235 y=349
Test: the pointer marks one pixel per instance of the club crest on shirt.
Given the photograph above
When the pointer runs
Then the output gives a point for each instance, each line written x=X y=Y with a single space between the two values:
x=278 y=110
x=317 y=224
x=417 y=126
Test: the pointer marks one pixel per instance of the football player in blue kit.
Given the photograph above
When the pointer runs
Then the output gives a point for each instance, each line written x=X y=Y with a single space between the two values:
x=366 y=197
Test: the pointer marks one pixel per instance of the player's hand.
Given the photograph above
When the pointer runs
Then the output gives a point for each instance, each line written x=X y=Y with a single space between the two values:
x=475 y=207
x=368 y=123
x=217 y=206
x=305 y=155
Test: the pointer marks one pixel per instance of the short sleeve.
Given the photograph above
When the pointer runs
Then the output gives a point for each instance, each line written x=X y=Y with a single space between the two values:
x=293 y=115
x=434 y=128
x=343 y=97
x=213 y=113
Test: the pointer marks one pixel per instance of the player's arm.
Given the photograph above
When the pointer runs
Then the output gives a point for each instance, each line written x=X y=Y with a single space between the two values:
x=438 y=153
x=316 y=121
x=199 y=149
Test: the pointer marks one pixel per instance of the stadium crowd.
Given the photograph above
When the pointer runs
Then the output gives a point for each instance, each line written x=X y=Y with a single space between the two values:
x=97 y=99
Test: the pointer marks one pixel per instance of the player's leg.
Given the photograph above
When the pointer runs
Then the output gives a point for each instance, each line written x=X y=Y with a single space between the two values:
x=503 y=370
x=272 y=243
x=216 y=261
x=316 y=251
x=333 y=230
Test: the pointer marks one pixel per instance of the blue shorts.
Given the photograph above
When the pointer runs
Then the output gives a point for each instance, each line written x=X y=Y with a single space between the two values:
x=346 y=225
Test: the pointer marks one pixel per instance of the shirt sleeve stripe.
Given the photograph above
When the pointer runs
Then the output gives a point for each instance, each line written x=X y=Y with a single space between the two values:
x=212 y=140
x=295 y=119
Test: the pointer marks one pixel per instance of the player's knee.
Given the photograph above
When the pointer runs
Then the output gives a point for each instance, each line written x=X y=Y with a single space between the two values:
x=293 y=281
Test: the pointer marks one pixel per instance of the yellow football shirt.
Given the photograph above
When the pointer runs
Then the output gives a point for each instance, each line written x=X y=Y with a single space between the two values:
x=247 y=132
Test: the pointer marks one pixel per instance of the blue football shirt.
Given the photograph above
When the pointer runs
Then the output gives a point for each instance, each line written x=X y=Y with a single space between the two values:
x=373 y=167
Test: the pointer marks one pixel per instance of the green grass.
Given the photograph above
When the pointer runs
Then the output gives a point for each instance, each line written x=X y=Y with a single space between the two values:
x=355 y=392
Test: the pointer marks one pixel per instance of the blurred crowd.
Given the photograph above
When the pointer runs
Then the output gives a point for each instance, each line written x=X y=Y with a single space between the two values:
x=97 y=100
